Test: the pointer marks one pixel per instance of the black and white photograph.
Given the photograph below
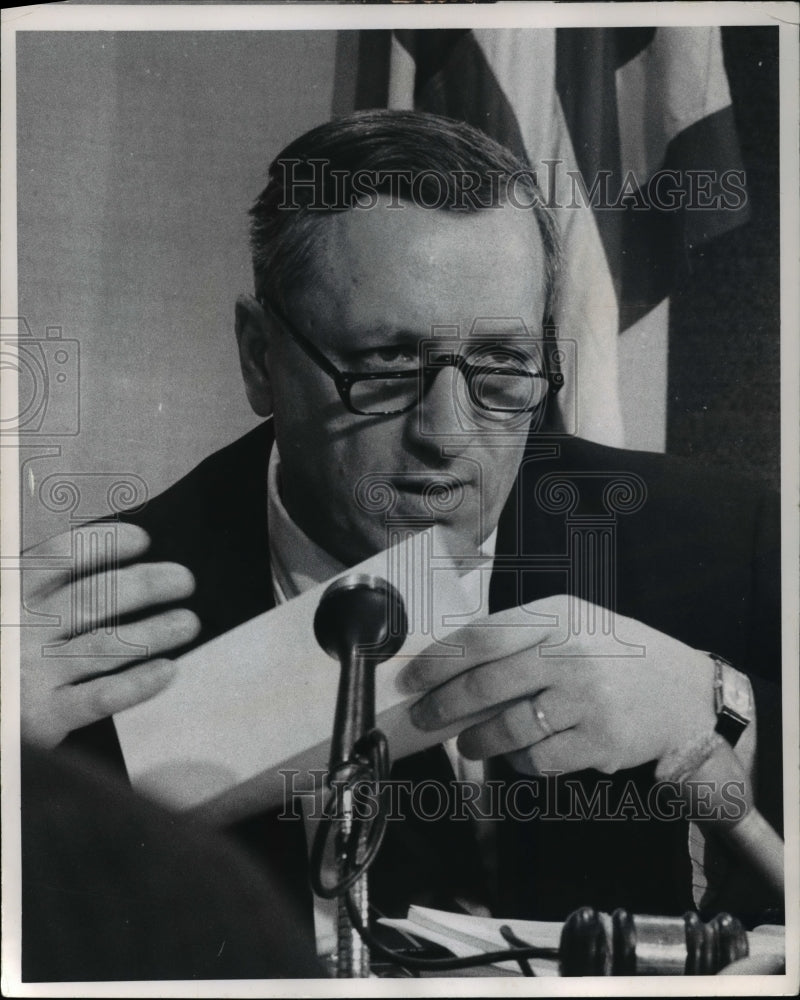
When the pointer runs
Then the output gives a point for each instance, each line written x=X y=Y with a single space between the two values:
x=399 y=445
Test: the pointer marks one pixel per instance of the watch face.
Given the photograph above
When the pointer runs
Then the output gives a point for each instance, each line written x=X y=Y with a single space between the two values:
x=733 y=701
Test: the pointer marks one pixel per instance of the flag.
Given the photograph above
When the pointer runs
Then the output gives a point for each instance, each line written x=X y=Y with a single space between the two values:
x=631 y=134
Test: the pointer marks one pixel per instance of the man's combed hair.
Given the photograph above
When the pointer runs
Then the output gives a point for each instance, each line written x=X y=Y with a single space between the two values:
x=422 y=159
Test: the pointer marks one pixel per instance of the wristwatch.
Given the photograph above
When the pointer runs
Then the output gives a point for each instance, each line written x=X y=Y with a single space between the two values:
x=733 y=700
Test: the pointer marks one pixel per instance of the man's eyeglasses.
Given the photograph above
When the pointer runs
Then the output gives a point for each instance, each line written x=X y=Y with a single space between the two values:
x=501 y=376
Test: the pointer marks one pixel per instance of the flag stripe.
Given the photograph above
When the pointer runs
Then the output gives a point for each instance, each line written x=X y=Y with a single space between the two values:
x=630 y=42
x=586 y=63
x=654 y=243
x=673 y=83
x=372 y=71
x=457 y=81
x=523 y=63
x=645 y=243
x=430 y=50
x=710 y=144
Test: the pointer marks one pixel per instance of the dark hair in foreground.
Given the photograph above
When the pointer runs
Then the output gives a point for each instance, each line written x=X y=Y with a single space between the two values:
x=415 y=157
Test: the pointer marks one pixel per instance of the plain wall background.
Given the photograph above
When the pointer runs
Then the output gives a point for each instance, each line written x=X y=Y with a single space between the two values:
x=139 y=155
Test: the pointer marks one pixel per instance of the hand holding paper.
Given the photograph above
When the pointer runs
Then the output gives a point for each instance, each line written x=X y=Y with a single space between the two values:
x=79 y=585
x=561 y=694
x=260 y=698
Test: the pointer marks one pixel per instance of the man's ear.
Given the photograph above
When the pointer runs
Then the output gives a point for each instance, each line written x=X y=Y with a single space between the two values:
x=253 y=329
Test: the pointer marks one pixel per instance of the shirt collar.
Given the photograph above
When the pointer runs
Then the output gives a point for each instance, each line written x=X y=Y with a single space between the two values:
x=296 y=561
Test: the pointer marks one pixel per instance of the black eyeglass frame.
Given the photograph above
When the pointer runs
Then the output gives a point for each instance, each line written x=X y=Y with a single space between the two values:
x=425 y=373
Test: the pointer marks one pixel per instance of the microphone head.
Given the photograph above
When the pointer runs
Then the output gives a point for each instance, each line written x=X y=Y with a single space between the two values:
x=361 y=614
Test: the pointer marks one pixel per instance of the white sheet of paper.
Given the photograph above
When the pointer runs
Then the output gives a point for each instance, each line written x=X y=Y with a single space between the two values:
x=261 y=697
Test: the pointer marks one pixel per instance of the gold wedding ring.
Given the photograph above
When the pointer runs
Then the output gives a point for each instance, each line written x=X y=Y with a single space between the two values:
x=541 y=718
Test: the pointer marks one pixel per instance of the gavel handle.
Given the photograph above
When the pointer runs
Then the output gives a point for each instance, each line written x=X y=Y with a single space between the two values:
x=756 y=965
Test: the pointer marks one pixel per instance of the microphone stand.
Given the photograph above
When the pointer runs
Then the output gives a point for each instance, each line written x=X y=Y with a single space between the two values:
x=352 y=953
x=361 y=622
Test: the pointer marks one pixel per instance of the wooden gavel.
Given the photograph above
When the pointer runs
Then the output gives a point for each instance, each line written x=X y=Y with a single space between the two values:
x=595 y=944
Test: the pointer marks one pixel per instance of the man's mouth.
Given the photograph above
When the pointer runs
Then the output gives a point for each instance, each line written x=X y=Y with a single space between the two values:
x=440 y=494
x=425 y=484
x=420 y=482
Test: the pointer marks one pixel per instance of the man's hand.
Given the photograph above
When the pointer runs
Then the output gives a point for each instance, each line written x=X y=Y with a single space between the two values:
x=71 y=685
x=575 y=705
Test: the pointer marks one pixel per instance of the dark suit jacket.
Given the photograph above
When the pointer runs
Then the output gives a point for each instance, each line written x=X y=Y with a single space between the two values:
x=697 y=557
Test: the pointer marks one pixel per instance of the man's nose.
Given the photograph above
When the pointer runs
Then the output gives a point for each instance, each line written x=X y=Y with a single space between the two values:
x=444 y=408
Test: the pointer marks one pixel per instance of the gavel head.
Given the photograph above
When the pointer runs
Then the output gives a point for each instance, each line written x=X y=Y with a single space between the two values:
x=361 y=615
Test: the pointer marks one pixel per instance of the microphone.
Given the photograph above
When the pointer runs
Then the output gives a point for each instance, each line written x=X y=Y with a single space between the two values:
x=360 y=621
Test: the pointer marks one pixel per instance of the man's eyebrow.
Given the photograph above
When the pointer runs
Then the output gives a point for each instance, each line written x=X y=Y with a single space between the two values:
x=510 y=336
x=445 y=332
x=384 y=332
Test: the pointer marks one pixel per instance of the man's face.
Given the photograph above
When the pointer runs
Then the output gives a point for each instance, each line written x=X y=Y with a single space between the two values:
x=383 y=281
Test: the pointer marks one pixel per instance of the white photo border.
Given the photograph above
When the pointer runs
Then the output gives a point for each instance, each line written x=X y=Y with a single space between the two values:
x=252 y=18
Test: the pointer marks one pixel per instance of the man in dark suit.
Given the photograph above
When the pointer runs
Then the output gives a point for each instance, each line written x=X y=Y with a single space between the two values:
x=396 y=336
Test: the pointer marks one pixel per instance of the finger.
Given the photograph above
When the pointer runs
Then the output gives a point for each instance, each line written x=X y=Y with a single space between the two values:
x=495 y=637
x=479 y=688
x=98 y=599
x=102 y=651
x=132 y=541
x=517 y=676
x=82 y=704
x=139 y=587
x=161 y=633
x=51 y=563
x=517 y=727
x=164 y=632
x=564 y=752
x=146 y=585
